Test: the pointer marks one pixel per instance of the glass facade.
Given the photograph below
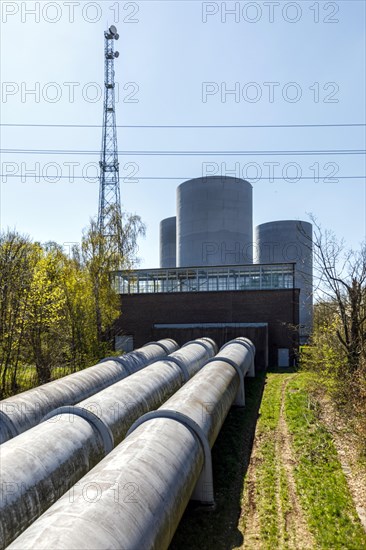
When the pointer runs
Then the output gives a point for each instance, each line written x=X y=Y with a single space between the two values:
x=205 y=279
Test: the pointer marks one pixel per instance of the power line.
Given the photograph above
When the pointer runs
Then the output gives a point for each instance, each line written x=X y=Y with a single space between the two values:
x=187 y=153
x=183 y=126
x=134 y=178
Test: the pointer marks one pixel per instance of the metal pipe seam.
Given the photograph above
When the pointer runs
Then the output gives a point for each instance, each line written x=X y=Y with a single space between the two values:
x=8 y=424
x=117 y=360
x=118 y=406
x=251 y=347
x=210 y=341
x=181 y=365
x=162 y=459
x=204 y=491
x=202 y=341
x=164 y=347
x=92 y=418
x=169 y=344
x=190 y=354
x=27 y=409
x=244 y=342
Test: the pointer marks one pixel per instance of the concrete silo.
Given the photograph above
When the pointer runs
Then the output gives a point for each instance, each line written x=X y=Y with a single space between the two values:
x=214 y=222
x=168 y=242
x=290 y=241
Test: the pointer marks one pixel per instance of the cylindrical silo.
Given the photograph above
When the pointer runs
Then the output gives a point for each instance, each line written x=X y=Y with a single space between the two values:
x=288 y=241
x=168 y=242
x=214 y=222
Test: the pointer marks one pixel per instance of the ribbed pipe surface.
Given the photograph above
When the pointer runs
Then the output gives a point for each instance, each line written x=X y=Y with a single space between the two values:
x=23 y=411
x=40 y=465
x=135 y=497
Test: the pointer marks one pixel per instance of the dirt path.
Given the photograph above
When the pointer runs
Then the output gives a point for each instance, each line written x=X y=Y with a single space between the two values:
x=293 y=525
x=283 y=478
x=249 y=513
x=293 y=532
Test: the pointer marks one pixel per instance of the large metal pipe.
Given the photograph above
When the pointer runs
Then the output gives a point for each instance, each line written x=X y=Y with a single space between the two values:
x=40 y=465
x=23 y=411
x=135 y=497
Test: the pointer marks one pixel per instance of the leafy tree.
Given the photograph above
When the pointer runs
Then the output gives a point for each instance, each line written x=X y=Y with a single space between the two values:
x=57 y=311
x=16 y=267
x=46 y=312
x=102 y=255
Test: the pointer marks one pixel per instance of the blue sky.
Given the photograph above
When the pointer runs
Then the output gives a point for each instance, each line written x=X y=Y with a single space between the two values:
x=178 y=58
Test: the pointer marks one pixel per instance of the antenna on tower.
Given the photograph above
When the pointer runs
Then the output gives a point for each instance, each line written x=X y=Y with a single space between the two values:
x=109 y=212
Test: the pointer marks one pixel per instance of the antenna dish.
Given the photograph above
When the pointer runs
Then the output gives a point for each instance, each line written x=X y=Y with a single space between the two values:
x=112 y=30
x=116 y=54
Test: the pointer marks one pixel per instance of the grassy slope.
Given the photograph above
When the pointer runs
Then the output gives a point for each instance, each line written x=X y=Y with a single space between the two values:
x=296 y=501
x=319 y=477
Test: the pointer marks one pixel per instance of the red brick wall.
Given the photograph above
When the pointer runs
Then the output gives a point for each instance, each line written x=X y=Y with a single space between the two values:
x=278 y=308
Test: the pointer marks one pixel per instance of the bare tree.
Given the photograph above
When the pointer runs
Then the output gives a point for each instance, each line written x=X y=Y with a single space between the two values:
x=341 y=278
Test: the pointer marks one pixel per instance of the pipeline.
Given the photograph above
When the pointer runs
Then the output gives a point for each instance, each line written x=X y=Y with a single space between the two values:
x=135 y=497
x=40 y=465
x=23 y=411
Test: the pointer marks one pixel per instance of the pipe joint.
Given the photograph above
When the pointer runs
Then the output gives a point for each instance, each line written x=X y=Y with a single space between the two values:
x=203 y=491
x=208 y=344
x=9 y=425
x=247 y=344
x=164 y=348
x=117 y=360
x=93 y=419
x=180 y=364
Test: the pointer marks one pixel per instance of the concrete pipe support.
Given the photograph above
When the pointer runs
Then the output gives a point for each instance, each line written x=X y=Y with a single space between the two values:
x=23 y=411
x=136 y=496
x=40 y=465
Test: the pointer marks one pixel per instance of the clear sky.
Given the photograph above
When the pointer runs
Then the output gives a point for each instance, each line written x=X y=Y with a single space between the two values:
x=287 y=63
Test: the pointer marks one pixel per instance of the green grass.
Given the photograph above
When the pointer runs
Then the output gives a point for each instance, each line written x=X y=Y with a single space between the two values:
x=320 y=481
x=284 y=500
x=321 y=486
x=266 y=470
x=26 y=378
x=266 y=491
x=272 y=496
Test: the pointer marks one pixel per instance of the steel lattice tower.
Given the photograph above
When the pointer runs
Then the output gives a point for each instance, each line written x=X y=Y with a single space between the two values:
x=109 y=213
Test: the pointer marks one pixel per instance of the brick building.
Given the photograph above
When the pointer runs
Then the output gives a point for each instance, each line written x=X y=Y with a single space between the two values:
x=257 y=301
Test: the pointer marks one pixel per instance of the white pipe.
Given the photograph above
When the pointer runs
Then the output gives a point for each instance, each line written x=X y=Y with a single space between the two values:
x=135 y=497
x=40 y=465
x=23 y=411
